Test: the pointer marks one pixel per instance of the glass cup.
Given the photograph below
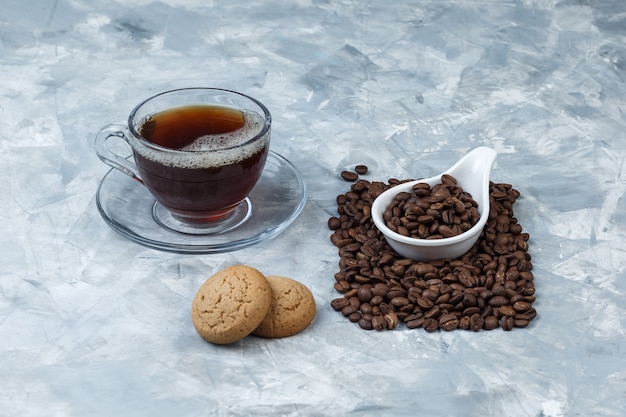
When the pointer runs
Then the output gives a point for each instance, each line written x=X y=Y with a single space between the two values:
x=198 y=151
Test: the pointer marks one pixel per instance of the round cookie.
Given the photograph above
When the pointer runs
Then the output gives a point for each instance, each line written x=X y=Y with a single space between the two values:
x=231 y=304
x=292 y=310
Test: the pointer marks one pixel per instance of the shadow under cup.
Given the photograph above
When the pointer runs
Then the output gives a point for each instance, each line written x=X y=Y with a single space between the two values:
x=200 y=152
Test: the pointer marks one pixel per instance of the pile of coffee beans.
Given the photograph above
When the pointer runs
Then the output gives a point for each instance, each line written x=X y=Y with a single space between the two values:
x=490 y=287
x=443 y=210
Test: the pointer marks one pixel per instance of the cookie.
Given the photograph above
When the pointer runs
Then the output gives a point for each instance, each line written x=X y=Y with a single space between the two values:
x=292 y=310
x=231 y=304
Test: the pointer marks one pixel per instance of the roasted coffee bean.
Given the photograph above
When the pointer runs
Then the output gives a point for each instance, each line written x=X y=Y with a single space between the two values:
x=349 y=176
x=399 y=302
x=433 y=312
x=360 y=279
x=430 y=324
x=334 y=223
x=351 y=293
x=448 y=180
x=366 y=308
x=342 y=286
x=365 y=324
x=498 y=301
x=446 y=307
x=349 y=309
x=491 y=322
x=507 y=323
x=521 y=306
x=376 y=300
x=498 y=290
x=431 y=294
x=520 y=322
x=353 y=300
x=464 y=323
x=361 y=169
x=414 y=323
x=385 y=308
x=395 y=292
x=339 y=303
x=365 y=293
x=449 y=322
x=528 y=315
x=489 y=287
x=443 y=299
x=456 y=297
x=380 y=289
x=355 y=317
x=344 y=242
x=392 y=320
x=470 y=311
x=507 y=310
x=469 y=300
x=476 y=322
x=424 y=303
x=379 y=323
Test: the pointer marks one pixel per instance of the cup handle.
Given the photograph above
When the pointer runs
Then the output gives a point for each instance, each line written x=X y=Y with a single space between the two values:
x=111 y=158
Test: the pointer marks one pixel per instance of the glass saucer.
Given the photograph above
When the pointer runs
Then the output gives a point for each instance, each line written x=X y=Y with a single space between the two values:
x=276 y=200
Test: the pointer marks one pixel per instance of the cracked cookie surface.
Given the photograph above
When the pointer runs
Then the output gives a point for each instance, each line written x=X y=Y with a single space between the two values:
x=292 y=309
x=231 y=304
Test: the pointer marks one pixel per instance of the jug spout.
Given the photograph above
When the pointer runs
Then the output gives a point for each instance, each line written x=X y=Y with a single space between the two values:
x=474 y=168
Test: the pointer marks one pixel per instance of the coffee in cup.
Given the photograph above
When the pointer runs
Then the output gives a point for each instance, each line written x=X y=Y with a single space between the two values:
x=198 y=151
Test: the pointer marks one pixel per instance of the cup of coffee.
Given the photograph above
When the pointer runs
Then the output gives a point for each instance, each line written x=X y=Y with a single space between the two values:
x=198 y=151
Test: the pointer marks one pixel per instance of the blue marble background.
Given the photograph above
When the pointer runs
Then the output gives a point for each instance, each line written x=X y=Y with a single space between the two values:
x=93 y=324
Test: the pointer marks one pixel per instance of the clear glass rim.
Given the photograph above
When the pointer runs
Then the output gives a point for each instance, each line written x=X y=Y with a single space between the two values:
x=267 y=119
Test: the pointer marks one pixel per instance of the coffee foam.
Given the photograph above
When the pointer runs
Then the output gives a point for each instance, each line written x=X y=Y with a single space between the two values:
x=212 y=151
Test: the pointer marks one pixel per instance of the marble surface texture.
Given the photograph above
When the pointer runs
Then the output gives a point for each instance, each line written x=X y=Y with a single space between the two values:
x=92 y=324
